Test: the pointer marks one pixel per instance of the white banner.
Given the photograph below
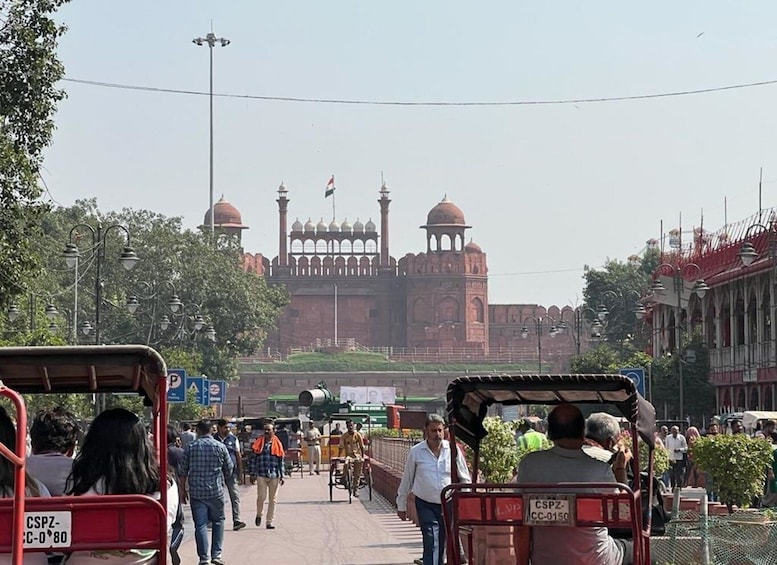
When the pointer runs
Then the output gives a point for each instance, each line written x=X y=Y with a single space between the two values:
x=368 y=394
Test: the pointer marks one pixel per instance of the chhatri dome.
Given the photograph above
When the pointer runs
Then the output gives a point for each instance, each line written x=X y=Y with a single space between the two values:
x=225 y=216
x=446 y=213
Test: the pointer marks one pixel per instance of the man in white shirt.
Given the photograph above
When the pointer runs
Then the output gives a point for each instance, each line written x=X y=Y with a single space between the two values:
x=427 y=472
x=313 y=441
x=677 y=447
x=567 y=462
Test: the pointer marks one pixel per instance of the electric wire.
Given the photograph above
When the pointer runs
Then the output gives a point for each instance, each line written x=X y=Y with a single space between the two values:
x=562 y=101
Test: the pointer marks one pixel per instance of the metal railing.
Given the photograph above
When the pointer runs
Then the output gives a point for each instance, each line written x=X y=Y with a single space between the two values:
x=391 y=452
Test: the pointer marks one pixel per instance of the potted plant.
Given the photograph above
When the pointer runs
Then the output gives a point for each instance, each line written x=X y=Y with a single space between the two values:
x=737 y=465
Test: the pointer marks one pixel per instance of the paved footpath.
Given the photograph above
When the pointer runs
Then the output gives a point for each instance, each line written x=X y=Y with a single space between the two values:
x=310 y=530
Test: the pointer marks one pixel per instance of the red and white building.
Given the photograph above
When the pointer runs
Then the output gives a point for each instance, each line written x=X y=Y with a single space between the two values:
x=736 y=313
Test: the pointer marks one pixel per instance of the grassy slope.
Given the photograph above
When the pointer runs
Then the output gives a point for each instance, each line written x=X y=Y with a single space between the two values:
x=366 y=361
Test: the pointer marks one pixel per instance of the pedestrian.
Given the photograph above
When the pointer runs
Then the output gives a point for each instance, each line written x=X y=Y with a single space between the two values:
x=427 y=472
x=677 y=448
x=187 y=435
x=313 y=441
x=206 y=466
x=233 y=448
x=269 y=473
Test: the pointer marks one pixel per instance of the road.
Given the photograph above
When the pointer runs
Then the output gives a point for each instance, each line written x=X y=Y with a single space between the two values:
x=310 y=530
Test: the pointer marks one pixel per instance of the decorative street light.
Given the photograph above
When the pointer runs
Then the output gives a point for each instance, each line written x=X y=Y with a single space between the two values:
x=579 y=318
x=538 y=323
x=621 y=302
x=72 y=255
x=178 y=316
x=699 y=288
x=13 y=312
x=211 y=40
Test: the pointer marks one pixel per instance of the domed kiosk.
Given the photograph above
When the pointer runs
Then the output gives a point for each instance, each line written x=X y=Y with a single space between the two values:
x=445 y=227
x=226 y=219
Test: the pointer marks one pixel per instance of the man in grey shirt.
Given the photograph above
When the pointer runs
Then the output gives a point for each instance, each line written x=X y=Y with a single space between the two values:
x=567 y=462
x=54 y=436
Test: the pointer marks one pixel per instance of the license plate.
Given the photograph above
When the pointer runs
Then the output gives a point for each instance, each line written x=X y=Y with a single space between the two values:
x=549 y=510
x=47 y=529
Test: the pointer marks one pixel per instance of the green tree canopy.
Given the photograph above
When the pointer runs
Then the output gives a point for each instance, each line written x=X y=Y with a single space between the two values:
x=208 y=281
x=617 y=287
x=29 y=71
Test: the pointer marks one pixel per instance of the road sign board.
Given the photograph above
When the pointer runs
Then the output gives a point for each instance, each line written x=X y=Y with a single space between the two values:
x=218 y=392
x=176 y=385
x=199 y=385
x=638 y=376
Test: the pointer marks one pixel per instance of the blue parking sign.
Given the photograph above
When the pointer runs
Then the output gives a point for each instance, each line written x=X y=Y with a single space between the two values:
x=199 y=385
x=638 y=376
x=176 y=385
x=217 y=391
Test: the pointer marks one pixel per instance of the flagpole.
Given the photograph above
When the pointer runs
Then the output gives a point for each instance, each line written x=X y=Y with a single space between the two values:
x=334 y=216
x=335 y=315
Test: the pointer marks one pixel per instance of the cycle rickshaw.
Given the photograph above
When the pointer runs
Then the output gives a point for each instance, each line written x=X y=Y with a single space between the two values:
x=292 y=460
x=470 y=509
x=340 y=471
x=82 y=523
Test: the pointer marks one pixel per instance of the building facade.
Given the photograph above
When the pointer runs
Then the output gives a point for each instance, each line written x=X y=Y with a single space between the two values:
x=735 y=313
x=346 y=287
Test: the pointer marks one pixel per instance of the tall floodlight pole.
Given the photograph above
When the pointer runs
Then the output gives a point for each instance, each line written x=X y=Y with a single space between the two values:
x=211 y=40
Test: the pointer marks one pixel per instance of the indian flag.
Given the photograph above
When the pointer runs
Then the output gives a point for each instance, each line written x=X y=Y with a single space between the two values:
x=330 y=187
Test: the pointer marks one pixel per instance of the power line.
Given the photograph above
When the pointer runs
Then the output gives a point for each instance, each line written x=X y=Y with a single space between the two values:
x=142 y=88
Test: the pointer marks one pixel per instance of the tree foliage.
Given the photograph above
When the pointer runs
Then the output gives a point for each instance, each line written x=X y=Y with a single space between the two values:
x=208 y=280
x=29 y=72
x=617 y=287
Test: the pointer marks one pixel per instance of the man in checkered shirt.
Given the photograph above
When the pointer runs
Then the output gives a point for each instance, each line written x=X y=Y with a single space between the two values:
x=206 y=465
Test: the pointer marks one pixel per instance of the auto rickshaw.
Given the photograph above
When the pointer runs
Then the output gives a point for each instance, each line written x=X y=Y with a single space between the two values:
x=83 y=523
x=468 y=508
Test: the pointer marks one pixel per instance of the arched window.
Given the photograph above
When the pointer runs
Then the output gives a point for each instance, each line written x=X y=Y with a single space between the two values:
x=448 y=310
x=420 y=311
x=766 y=317
x=476 y=310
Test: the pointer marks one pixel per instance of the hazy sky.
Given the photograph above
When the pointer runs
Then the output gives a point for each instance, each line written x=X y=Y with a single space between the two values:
x=547 y=188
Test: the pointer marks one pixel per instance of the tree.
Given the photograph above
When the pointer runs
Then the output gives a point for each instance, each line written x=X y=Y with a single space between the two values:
x=617 y=287
x=208 y=280
x=29 y=71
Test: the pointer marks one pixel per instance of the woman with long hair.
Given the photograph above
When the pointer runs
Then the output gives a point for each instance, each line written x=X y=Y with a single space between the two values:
x=691 y=472
x=33 y=487
x=116 y=457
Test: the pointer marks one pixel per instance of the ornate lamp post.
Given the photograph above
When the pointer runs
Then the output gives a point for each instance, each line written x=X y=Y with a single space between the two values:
x=178 y=316
x=578 y=322
x=538 y=324
x=72 y=256
x=700 y=288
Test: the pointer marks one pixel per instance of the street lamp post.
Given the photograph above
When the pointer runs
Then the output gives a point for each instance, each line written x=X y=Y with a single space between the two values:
x=538 y=323
x=14 y=312
x=72 y=255
x=211 y=40
x=620 y=301
x=579 y=318
x=700 y=288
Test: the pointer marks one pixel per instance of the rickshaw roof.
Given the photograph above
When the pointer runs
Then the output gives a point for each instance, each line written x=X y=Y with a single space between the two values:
x=751 y=417
x=469 y=398
x=83 y=369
